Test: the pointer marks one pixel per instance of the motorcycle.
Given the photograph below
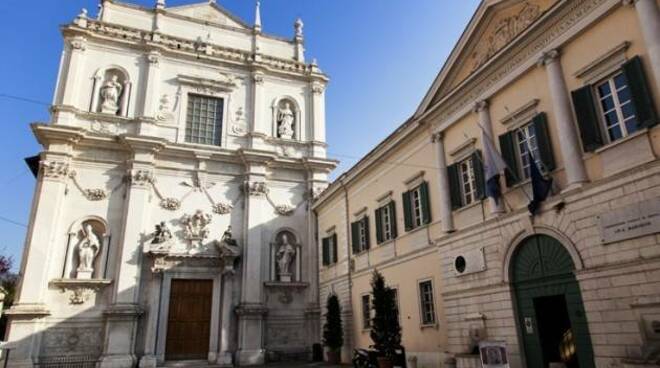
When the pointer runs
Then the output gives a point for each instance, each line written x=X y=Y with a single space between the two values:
x=363 y=358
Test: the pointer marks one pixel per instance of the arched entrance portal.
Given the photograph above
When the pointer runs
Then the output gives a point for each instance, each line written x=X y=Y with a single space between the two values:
x=550 y=312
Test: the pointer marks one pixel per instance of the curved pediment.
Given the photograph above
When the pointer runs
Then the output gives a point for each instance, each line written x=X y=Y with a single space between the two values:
x=495 y=24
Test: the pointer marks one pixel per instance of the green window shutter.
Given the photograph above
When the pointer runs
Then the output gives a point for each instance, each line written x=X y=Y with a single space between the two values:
x=365 y=221
x=507 y=146
x=641 y=94
x=393 y=221
x=543 y=140
x=407 y=211
x=379 y=226
x=426 y=202
x=454 y=187
x=334 y=248
x=355 y=236
x=477 y=165
x=326 y=251
x=587 y=118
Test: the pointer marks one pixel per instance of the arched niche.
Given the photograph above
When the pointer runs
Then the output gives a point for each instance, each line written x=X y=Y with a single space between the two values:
x=111 y=92
x=283 y=108
x=284 y=241
x=87 y=232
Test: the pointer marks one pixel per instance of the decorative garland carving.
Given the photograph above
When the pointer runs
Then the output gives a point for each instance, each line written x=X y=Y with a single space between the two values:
x=255 y=188
x=170 y=204
x=80 y=290
x=222 y=208
x=141 y=178
x=95 y=194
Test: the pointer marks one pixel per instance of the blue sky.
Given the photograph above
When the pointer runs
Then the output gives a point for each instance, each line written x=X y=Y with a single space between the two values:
x=381 y=55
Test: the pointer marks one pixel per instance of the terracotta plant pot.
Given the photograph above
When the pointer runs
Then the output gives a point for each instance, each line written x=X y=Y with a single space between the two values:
x=384 y=362
x=334 y=356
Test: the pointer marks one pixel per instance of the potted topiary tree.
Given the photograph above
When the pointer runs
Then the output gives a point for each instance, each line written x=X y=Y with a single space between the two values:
x=385 y=328
x=333 y=334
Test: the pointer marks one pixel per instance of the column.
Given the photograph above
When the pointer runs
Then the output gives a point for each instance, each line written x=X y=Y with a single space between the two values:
x=72 y=86
x=125 y=98
x=260 y=128
x=318 y=119
x=567 y=132
x=443 y=183
x=25 y=315
x=122 y=316
x=151 y=90
x=482 y=109
x=225 y=356
x=251 y=311
x=649 y=22
x=96 y=92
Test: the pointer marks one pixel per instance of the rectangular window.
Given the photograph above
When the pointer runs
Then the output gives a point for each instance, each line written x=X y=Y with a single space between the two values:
x=329 y=251
x=468 y=182
x=360 y=235
x=526 y=140
x=416 y=195
x=386 y=223
x=204 y=120
x=417 y=207
x=427 y=302
x=366 y=312
x=616 y=108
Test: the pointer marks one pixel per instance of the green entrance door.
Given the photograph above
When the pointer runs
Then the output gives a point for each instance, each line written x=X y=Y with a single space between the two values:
x=550 y=311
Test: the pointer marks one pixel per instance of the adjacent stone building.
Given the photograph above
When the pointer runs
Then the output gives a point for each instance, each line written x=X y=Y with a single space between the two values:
x=171 y=218
x=577 y=82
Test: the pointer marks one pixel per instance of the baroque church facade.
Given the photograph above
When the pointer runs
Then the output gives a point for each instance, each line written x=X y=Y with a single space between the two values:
x=171 y=219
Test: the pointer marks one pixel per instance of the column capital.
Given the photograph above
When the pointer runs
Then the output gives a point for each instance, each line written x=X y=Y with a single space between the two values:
x=480 y=106
x=548 y=57
x=153 y=57
x=437 y=137
x=78 y=43
x=258 y=78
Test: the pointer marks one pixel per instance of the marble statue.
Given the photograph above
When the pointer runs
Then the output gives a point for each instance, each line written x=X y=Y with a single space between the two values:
x=195 y=226
x=162 y=233
x=285 y=255
x=285 y=118
x=88 y=249
x=110 y=92
x=229 y=250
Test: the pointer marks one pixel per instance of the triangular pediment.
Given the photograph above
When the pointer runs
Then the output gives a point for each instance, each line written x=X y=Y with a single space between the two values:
x=495 y=25
x=208 y=11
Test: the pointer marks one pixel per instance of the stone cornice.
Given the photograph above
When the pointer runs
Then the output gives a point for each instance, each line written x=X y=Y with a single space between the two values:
x=193 y=49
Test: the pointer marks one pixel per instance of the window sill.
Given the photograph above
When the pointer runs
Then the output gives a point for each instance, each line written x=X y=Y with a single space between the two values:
x=385 y=242
x=422 y=226
x=469 y=206
x=430 y=325
x=621 y=141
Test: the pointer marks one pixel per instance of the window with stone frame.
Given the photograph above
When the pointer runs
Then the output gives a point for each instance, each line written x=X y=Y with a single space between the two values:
x=329 y=251
x=386 y=223
x=360 y=235
x=614 y=107
x=466 y=181
x=417 y=207
x=427 y=303
x=516 y=143
x=366 y=311
x=204 y=120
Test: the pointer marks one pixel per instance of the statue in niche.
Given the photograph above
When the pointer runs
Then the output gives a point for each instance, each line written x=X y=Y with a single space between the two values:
x=285 y=255
x=285 y=120
x=110 y=92
x=88 y=249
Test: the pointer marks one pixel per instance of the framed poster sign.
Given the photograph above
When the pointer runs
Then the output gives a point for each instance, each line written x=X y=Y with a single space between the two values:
x=493 y=354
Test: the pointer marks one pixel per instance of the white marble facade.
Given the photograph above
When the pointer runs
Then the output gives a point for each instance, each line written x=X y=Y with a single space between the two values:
x=124 y=205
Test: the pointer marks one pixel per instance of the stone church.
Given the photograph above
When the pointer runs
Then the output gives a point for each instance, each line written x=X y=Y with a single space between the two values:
x=171 y=218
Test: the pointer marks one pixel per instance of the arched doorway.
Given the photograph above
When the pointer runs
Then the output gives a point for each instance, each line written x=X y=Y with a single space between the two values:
x=550 y=312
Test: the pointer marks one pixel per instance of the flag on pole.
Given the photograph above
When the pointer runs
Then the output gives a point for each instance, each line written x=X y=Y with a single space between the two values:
x=493 y=165
x=540 y=185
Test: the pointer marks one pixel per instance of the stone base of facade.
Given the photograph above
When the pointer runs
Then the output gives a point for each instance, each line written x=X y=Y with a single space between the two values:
x=251 y=357
x=118 y=361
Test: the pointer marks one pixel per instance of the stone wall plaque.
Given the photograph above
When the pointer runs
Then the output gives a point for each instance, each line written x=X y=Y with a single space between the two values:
x=639 y=219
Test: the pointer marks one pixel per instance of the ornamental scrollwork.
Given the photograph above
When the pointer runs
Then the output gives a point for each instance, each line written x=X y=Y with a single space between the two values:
x=95 y=194
x=170 y=204
x=222 y=208
x=284 y=209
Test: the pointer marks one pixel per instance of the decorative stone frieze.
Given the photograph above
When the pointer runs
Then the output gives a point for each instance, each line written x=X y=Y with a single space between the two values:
x=284 y=209
x=80 y=290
